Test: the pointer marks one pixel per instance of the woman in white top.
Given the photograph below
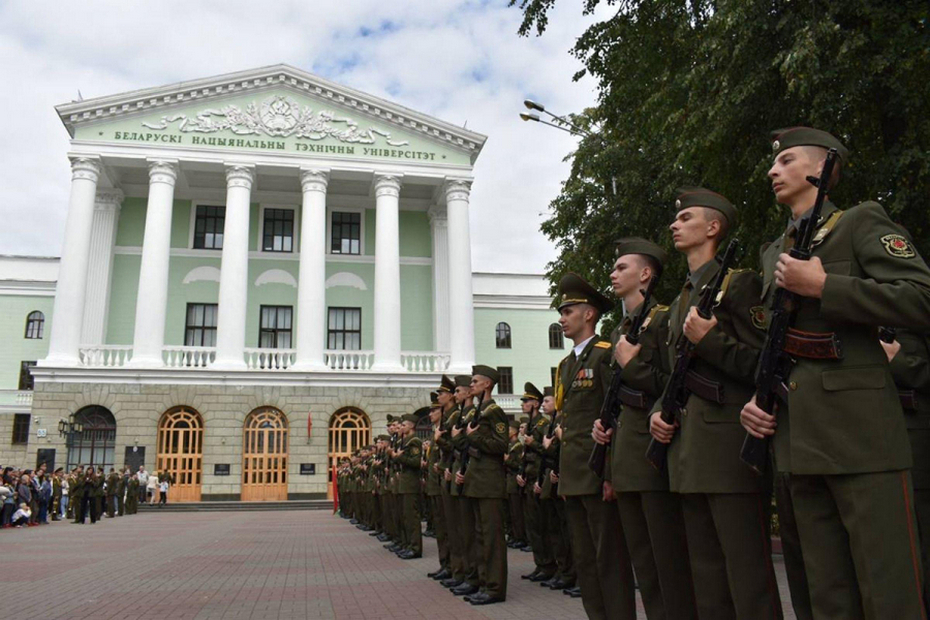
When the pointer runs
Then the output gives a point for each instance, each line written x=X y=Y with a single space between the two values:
x=152 y=487
x=163 y=487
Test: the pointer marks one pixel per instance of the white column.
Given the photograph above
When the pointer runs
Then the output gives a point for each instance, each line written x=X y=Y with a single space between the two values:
x=100 y=265
x=439 y=227
x=387 y=273
x=311 y=291
x=461 y=300
x=68 y=310
x=152 y=298
x=234 y=270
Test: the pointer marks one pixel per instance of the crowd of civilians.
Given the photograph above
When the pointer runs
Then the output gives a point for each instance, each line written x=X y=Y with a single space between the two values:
x=30 y=498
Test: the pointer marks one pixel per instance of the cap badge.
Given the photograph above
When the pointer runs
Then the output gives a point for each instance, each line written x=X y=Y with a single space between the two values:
x=776 y=145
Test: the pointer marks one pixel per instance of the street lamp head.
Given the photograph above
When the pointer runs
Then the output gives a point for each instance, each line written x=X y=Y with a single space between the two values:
x=529 y=117
x=532 y=105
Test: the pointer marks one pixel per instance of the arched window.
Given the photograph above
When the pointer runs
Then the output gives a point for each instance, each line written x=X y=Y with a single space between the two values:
x=35 y=325
x=503 y=336
x=94 y=445
x=180 y=452
x=556 y=338
x=264 y=455
x=349 y=430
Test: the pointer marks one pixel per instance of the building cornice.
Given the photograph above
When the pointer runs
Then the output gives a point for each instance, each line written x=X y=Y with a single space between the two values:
x=167 y=97
x=27 y=288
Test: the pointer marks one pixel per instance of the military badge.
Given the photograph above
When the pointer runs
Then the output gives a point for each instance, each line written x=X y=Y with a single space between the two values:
x=776 y=145
x=678 y=204
x=501 y=428
x=414 y=450
x=757 y=316
x=898 y=246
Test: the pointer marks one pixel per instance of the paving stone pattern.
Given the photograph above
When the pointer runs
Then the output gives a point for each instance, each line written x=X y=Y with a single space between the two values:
x=243 y=566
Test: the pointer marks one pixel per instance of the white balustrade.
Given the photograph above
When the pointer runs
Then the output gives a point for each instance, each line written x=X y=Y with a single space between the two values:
x=270 y=359
x=508 y=403
x=188 y=357
x=15 y=398
x=425 y=361
x=348 y=360
x=105 y=355
x=24 y=398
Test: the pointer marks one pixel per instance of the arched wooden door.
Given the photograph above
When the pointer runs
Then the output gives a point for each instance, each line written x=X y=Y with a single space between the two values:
x=349 y=430
x=264 y=456
x=180 y=452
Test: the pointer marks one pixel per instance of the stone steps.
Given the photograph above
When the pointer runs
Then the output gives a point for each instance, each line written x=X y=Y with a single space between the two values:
x=311 y=504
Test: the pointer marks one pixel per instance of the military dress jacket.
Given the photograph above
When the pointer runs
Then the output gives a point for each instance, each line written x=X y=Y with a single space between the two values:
x=646 y=374
x=844 y=416
x=704 y=454
x=911 y=371
x=533 y=452
x=583 y=384
x=513 y=462
x=459 y=444
x=433 y=477
x=485 y=477
x=112 y=484
x=550 y=456
x=449 y=418
x=409 y=465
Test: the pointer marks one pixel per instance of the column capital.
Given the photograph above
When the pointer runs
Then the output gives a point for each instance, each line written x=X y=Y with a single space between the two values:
x=457 y=189
x=387 y=184
x=314 y=179
x=88 y=168
x=108 y=200
x=438 y=215
x=240 y=175
x=163 y=171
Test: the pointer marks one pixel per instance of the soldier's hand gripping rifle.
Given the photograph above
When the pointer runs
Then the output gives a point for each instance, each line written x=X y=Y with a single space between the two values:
x=552 y=462
x=676 y=393
x=529 y=430
x=887 y=334
x=610 y=410
x=774 y=364
x=460 y=425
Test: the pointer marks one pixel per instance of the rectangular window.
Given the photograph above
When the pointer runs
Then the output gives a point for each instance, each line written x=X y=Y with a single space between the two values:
x=346 y=233
x=208 y=227
x=275 y=329
x=21 y=427
x=505 y=385
x=278 y=230
x=200 y=325
x=25 y=376
x=344 y=329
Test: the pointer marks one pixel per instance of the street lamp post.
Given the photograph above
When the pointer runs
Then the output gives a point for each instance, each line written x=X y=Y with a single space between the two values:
x=67 y=428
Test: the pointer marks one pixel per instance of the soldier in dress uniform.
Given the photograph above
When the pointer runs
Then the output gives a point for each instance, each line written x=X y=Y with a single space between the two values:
x=78 y=491
x=434 y=491
x=545 y=567
x=485 y=486
x=602 y=561
x=56 y=494
x=471 y=545
x=725 y=505
x=841 y=433
x=651 y=515
x=98 y=495
x=513 y=461
x=132 y=497
x=121 y=492
x=450 y=509
x=408 y=457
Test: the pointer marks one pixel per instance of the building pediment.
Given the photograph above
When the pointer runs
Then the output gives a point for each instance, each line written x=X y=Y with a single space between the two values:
x=272 y=109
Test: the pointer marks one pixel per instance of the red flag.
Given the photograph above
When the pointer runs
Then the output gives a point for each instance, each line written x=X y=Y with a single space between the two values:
x=335 y=491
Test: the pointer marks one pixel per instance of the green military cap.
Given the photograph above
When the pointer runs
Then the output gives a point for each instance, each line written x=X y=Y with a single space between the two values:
x=548 y=391
x=806 y=136
x=384 y=438
x=462 y=380
x=421 y=412
x=523 y=420
x=702 y=197
x=576 y=290
x=390 y=418
x=446 y=384
x=515 y=424
x=486 y=371
x=410 y=417
x=434 y=400
x=637 y=245
x=530 y=392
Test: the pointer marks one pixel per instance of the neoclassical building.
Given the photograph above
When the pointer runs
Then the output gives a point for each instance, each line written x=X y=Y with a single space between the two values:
x=257 y=269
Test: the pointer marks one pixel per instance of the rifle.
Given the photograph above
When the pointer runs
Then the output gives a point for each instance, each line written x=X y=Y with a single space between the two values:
x=676 y=393
x=774 y=365
x=460 y=425
x=887 y=334
x=529 y=429
x=554 y=462
x=610 y=410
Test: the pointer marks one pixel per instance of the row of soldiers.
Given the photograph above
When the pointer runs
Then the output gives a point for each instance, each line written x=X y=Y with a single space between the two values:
x=92 y=493
x=694 y=526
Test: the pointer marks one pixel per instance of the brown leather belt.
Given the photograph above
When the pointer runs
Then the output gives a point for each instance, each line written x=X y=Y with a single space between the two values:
x=635 y=398
x=703 y=387
x=908 y=399
x=812 y=345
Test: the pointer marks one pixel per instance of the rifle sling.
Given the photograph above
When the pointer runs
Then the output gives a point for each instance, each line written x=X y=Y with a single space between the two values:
x=635 y=398
x=704 y=387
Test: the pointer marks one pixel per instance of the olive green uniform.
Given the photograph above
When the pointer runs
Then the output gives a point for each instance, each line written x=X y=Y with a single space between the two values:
x=841 y=433
x=434 y=495
x=471 y=545
x=450 y=507
x=602 y=561
x=552 y=508
x=651 y=515
x=536 y=525
x=132 y=497
x=408 y=490
x=725 y=505
x=514 y=463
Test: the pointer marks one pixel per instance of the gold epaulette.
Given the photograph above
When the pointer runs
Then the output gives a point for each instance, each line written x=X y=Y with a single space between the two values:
x=824 y=230
x=603 y=344
x=726 y=283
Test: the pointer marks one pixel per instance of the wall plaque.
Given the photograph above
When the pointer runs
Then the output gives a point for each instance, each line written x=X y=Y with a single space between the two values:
x=307 y=469
x=221 y=469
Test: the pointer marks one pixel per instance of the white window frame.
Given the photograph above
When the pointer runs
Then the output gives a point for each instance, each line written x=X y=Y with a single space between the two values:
x=193 y=225
x=329 y=230
x=261 y=228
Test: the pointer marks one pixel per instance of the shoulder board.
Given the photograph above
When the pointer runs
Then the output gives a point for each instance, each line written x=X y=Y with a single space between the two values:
x=542 y=422
x=603 y=344
x=726 y=283
x=827 y=226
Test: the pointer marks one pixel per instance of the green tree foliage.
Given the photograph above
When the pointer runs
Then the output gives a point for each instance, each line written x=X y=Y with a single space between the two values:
x=688 y=92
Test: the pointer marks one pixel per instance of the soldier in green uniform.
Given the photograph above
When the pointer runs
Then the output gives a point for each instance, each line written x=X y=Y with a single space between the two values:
x=132 y=497
x=536 y=526
x=442 y=437
x=77 y=493
x=841 y=433
x=602 y=561
x=56 y=494
x=112 y=486
x=513 y=461
x=390 y=509
x=99 y=494
x=434 y=491
x=651 y=515
x=725 y=505
x=121 y=492
x=471 y=546
x=485 y=486
x=408 y=458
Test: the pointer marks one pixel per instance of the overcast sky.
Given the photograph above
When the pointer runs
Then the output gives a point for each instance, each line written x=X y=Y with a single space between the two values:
x=459 y=61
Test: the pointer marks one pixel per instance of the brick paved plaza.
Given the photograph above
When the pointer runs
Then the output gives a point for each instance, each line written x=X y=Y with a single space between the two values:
x=241 y=565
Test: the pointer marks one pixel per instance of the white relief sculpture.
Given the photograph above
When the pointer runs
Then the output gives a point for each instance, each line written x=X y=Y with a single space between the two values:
x=202 y=274
x=276 y=276
x=278 y=116
x=344 y=278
